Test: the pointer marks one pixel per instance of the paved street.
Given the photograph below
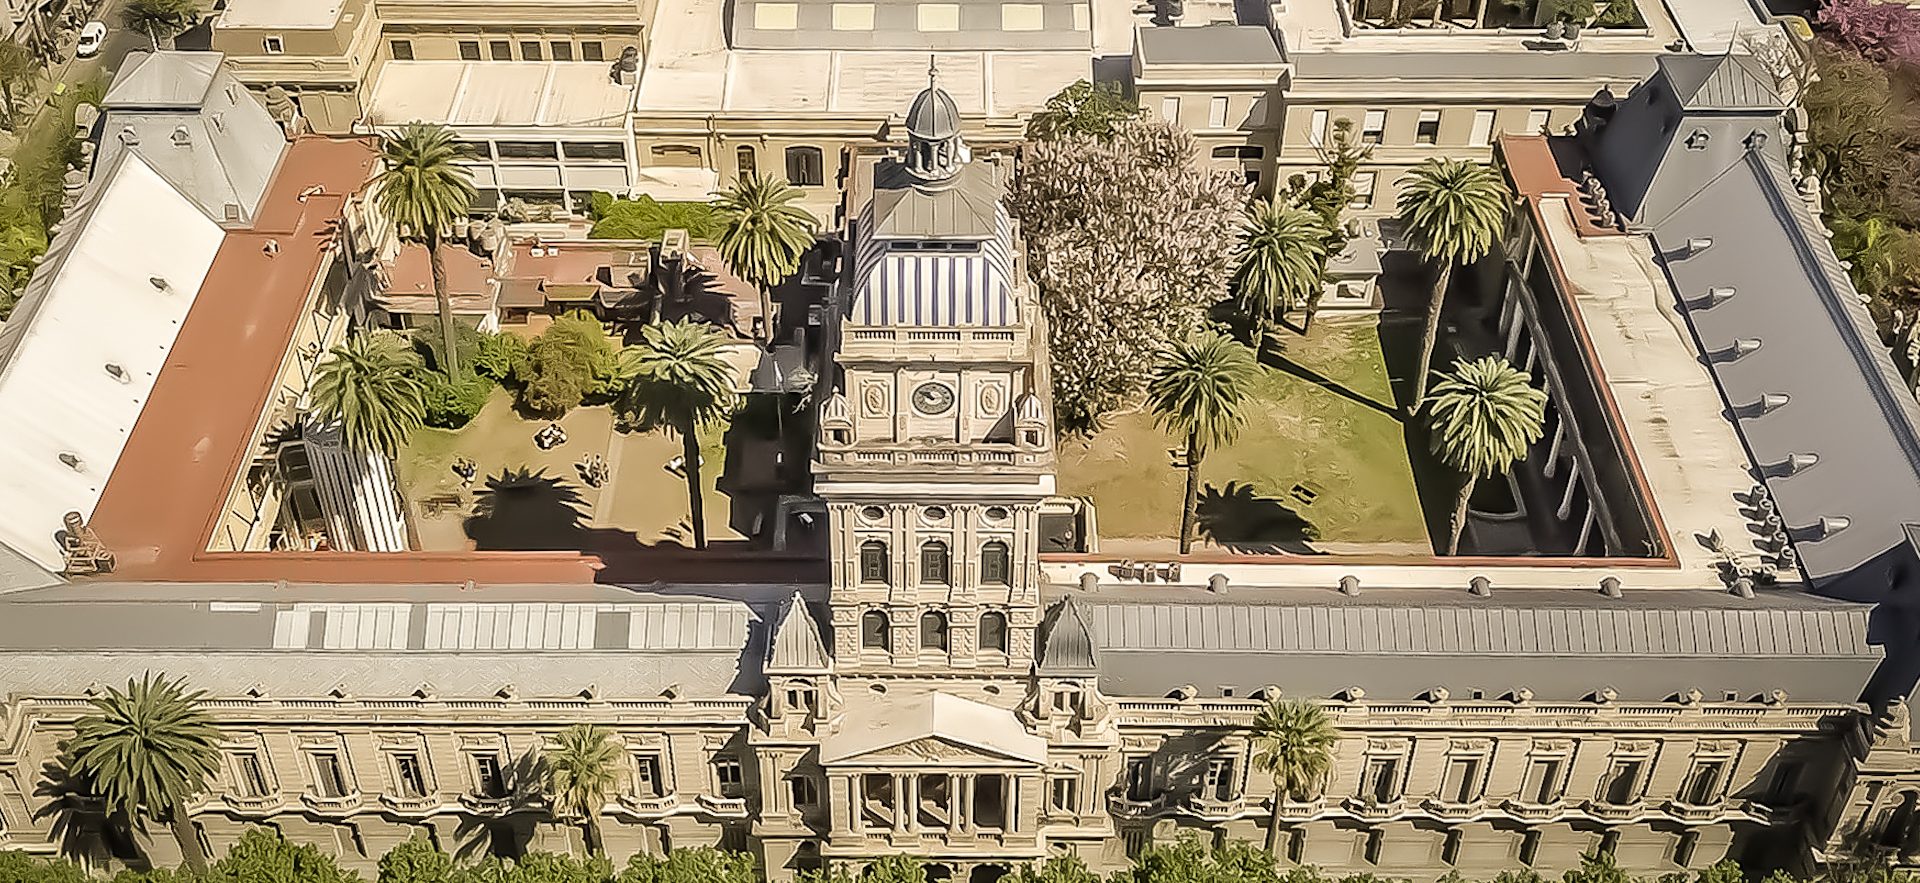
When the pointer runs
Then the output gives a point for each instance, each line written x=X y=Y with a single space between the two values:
x=71 y=70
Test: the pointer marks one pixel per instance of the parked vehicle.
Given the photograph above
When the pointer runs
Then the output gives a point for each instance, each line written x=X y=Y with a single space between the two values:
x=91 y=36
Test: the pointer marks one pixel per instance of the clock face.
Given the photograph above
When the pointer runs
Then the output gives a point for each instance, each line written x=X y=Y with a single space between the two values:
x=932 y=398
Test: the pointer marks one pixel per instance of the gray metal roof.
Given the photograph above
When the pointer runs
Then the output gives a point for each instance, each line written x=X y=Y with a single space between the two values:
x=1209 y=44
x=1720 y=82
x=1066 y=645
x=219 y=147
x=166 y=79
x=982 y=25
x=1414 y=65
x=796 y=644
x=966 y=207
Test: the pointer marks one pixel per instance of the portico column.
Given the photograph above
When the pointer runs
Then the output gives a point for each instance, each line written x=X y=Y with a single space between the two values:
x=966 y=801
x=913 y=801
x=857 y=788
x=953 y=804
x=900 y=803
x=1011 y=795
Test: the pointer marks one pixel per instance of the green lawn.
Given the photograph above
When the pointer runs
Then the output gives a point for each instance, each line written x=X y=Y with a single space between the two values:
x=1322 y=461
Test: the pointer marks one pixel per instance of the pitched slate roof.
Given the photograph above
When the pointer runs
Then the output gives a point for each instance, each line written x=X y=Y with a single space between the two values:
x=796 y=644
x=1720 y=82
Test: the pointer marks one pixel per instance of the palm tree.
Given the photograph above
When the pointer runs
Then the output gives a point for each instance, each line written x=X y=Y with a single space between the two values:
x=581 y=767
x=1282 y=248
x=18 y=70
x=678 y=376
x=424 y=191
x=159 y=19
x=1293 y=742
x=1197 y=391
x=371 y=386
x=764 y=236
x=1481 y=419
x=1453 y=211
x=148 y=750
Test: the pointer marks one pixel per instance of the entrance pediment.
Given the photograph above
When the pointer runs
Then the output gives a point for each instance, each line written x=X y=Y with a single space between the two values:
x=934 y=750
x=933 y=729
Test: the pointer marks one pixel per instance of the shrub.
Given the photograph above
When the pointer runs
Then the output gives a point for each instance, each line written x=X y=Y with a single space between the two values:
x=571 y=362
x=426 y=339
x=501 y=358
x=646 y=218
x=451 y=404
x=1883 y=32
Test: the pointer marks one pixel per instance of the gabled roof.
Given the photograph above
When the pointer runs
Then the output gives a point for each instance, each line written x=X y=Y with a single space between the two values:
x=796 y=644
x=1720 y=82
x=1066 y=643
x=942 y=717
x=966 y=208
x=169 y=79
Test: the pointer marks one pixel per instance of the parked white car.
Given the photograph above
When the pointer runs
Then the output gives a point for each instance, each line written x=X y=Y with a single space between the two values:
x=91 y=36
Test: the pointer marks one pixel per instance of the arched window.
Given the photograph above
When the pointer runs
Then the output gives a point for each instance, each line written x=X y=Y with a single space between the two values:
x=873 y=562
x=747 y=161
x=875 y=631
x=996 y=564
x=935 y=562
x=993 y=631
x=933 y=630
x=805 y=167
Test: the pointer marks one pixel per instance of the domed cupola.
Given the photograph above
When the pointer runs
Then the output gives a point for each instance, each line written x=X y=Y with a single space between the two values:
x=935 y=151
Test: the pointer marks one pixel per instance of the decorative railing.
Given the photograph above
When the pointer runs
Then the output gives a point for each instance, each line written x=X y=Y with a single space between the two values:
x=342 y=804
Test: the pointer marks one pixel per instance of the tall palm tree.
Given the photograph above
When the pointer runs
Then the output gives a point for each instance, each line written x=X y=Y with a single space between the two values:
x=159 y=19
x=1282 y=249
x=1453 y=210
x=1481 y=419
x=678 y=376
x=1197 y=390
x=1293 y=742
x=581 y=766
x=371 y=385
x=765 y=235
x=146 y=751
x=424 y=191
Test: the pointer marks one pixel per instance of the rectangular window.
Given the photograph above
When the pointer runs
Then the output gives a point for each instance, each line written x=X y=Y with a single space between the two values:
x=526 y=150
x=1529 y=847
x=726 y=773
x=1683 y=847
x=408 y=780
x=806 y=166
x=1427 y=130
x=1536 y=122
x=1370 y=852
x=469 y=50
x=646 y=776
x=1217 y=112
x=939 y=17
x=1065 y=794
x=591 y=50
x=1082 y=16
x=1140 y=779
x=805 y=793
x=1623 y=782
x=1482 y=134
x=273 y=45
x=612 y=150
x=776 y=16
x=1242 y=152
x=1703 y=784
x=1022 y=17
x=1784 y=787
x=1373 y=127
x=500 y=50
x=1450 y=848
x=1170 y=109
x=1219 y=780
x=487 y=781
x=853 y=16
x=249 y=776
x=804 y=700
x=329 y=777
x=531 y=50
x=402 y=49
x=1317 y=128
x=933 y=563
x=561 y=50
x=1462 y=784
x=1363 y=183
x=1542 y=785
x=1382 y=784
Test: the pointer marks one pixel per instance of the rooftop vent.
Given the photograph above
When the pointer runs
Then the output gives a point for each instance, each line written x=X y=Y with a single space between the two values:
x=159 y=283
x=231 y=211
x=1698 y=140
x=272 y=247
x=128 y=136
x=1832 y=524
x=1798 y=463
x=1743 y=346
x=1714 y=297
x=1698 y=244
x=181 y=137
x=1772 y=402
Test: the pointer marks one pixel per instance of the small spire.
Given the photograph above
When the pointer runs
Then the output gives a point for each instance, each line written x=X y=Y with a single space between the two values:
x=933 y=72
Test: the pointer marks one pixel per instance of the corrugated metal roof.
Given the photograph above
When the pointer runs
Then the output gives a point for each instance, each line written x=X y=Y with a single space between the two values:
x=1720 y=82
x=163 y=79
x=1209 y=44
x=796 y=640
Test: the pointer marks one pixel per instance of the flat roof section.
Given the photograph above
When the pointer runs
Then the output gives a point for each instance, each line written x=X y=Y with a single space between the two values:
x=1209 y=44
x=911 y=25
x=289 y=14
x=557 y=94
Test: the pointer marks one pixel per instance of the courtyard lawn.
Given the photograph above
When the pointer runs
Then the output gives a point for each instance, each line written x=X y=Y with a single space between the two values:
x=640 y=504
x=1321 y=464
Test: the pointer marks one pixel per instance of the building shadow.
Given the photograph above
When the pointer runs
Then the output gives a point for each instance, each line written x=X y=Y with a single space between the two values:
x=1239 y=519
x=1275 y=357
x=1433 y=482
x=507 y=832
x=521 y=510
x=79 y=829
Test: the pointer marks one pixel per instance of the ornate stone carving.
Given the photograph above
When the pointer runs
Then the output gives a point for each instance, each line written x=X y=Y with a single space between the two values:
x=873 y=399
x=993 y=398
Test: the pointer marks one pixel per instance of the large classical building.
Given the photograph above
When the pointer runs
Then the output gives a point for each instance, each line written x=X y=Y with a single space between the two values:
x=1708 y=656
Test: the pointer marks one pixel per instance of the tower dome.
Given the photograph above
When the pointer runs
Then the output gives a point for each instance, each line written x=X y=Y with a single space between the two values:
x=933 y=116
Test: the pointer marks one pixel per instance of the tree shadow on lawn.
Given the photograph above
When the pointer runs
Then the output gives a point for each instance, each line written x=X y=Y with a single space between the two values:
x=1275 y=357
x=1240 y=520
x=526 y=511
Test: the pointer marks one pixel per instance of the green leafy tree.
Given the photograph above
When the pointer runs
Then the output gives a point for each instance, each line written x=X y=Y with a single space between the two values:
x=895 y=868
x=581 y=766
x=146 y=751
x=502 y=357
x=764 y=234
x=160 y=20
x=19 y=867
x=647 y=218
x=1597 y=867
x=540 y=867
x=1282 y=253
x=1481 y=419
x=1083 y=108
x=1197 y=391
x=453 y=402
x=424 y=190
x=1056 y=869
x=1191 y=861
x=571 y=361
x=371 y=385
x=1725 y=871
x=416 y=861
x=698 y=864
x=19 y=67
x=678 y=377
x=1453 y=211
x=261 y=855
x=1293 y=742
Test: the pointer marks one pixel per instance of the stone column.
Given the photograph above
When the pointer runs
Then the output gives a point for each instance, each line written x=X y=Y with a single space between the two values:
x=953 y=804
x=1010 y=793
x=856 y=789
x=967 y=824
